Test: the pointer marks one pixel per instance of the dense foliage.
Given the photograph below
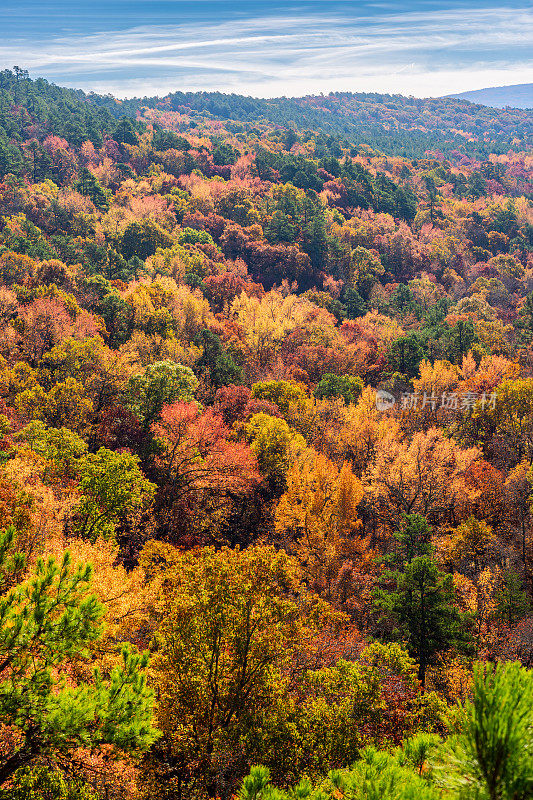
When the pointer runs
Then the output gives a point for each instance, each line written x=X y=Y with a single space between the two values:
x=266 y=436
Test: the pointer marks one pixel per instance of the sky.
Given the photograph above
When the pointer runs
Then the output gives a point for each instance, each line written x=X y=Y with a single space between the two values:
x=270 y=49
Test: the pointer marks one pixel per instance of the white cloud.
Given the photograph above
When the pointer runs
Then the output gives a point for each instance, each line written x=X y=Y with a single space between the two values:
x=413 y=53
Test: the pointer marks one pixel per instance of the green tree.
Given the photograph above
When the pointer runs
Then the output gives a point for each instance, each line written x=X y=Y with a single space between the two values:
x=459 y=340
x=414 y=539
x=125 y=132
x=432 y=194
x=402 y=299
x=289 y=138
x=280 y=228
x=61 y=446
x=224 y=154
x=524 y=321
x=315 y=238
x=194 y=236
x=365 y=270
x=90 y=186
x=354 y=303
x=275 y=445
x=375 y=775
x=476 y=185
x=349 y=387
x=116 y=314
x=112 y=488
x=405 y=355
x=46 y=622
x=492 y=756
x=417 y=599
x=142 y=239
x=161 y=382
x=166 y=140
x=217 y=364
x=43 y=783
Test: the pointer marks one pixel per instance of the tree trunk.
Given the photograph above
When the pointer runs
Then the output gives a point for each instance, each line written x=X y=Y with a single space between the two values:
x=24 y=756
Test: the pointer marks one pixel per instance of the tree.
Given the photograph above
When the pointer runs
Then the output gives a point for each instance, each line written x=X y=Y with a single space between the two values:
x=413 y=539
x=365 y=269
x=66 y=404
x=15 y=268
x=285 y=394
x=405 y=354
x=432 y=194
x=422 y=607
x=459 y=339
x=280 y=228
x=202 y=475
x=90 y=186
x=224 y=154
x=142 y=239
x=275 y=445
x=477 y=185
x=375 y=775
x=60 y=446
x=161 y=382
x=338 y=709
x=472 y=542
x=518 y=496
x=289 y=138
x=418 y=599
x=102 y=372
x=46 y=622
x=506 y=426
x=318 y=517
x=229 y=622
x=512 y=602
x=492 y=753
x=124 y=133
x=217 y=364
x=43 y=783
x=46 y=322
x=349 y=387
x=354 y=303
x=424 y=475
x=112 y=488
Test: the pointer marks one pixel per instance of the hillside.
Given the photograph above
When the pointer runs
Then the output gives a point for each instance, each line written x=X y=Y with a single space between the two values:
x=391 y=124
x=394 y=124
x=518 y=96
x=266 y=436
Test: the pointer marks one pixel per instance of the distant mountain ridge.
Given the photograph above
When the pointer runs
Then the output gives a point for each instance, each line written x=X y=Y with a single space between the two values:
x=519 y=95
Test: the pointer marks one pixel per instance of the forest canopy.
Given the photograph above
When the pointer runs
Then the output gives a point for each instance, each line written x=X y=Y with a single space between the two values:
x=266 y=446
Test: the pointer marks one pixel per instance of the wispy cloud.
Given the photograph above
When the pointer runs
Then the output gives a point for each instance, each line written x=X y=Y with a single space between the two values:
x=421 y=53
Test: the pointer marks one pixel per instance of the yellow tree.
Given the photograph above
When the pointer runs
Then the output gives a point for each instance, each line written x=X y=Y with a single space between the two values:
x=471 y=544
x=422 y=475
x=363 y=428
x=318 y=514
x=505 y=425
x=229 y=623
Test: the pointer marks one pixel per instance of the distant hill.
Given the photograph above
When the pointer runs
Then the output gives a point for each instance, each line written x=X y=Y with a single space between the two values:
x=395 y=125
x=517 y=96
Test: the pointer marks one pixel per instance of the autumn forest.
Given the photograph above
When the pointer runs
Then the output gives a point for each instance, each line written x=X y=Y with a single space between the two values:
x=266 y=447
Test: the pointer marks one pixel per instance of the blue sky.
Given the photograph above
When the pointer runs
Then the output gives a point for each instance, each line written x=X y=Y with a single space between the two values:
x=270 y=48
